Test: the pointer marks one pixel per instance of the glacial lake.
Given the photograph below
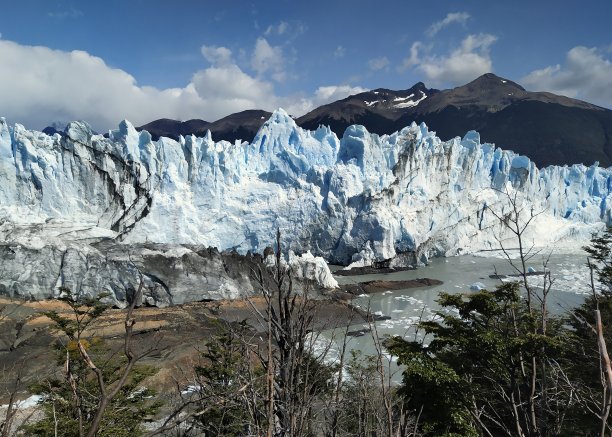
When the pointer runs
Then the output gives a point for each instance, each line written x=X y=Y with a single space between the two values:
x=404 y=307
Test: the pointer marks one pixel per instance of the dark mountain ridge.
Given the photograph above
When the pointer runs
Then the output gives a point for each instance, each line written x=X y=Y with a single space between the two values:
x=378 y=110
x=239 y=126
x=548 y=128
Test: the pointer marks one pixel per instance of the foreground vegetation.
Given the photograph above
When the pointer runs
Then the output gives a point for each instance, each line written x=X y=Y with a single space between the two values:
x=491 y=363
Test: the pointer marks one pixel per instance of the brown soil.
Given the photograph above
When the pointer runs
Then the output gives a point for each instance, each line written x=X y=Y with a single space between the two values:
x=173 y=335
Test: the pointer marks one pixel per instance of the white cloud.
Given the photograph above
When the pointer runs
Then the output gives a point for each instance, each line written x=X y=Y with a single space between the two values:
x=39 y=85
x=586 y=74
x=481 y=41
x=322 y=96
x=413 y=59
x=327 y=94
x=231 y=87
x=377 y=64
x=70 y=13
x=279 y=29
x=289 y=31
x=453 y=17
x=217 y=55
x=267 y=58
x=339 y=52
x=468 y=61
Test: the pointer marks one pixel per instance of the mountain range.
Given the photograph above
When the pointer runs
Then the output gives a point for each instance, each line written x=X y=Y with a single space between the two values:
x=548 y=128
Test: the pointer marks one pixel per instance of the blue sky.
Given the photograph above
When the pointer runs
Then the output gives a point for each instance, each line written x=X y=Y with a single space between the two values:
x=103 y=61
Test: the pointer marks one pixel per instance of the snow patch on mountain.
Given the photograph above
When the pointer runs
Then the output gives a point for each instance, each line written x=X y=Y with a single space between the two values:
x=409 y=103
x=402 y=99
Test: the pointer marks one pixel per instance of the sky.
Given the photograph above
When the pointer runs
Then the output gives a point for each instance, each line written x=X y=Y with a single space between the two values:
x=105 y=61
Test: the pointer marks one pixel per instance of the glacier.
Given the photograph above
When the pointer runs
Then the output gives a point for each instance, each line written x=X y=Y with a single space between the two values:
x=362 y=198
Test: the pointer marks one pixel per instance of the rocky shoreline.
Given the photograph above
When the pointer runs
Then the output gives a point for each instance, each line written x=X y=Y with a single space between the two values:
x=378 y=286
x=371 y=270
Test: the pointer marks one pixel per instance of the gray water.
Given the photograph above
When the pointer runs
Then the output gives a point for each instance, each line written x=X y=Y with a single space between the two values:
x=406 y=307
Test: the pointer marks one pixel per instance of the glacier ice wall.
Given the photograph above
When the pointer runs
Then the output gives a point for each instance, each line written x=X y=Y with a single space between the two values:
x=405 y=196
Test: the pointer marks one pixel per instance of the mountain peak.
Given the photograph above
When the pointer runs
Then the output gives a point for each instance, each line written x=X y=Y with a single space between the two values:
x=488 y=92
x=490 y=80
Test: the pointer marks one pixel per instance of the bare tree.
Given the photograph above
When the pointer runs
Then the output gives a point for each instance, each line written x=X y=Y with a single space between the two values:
x=517 y=220
x=606 y=367
x=293 y=373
